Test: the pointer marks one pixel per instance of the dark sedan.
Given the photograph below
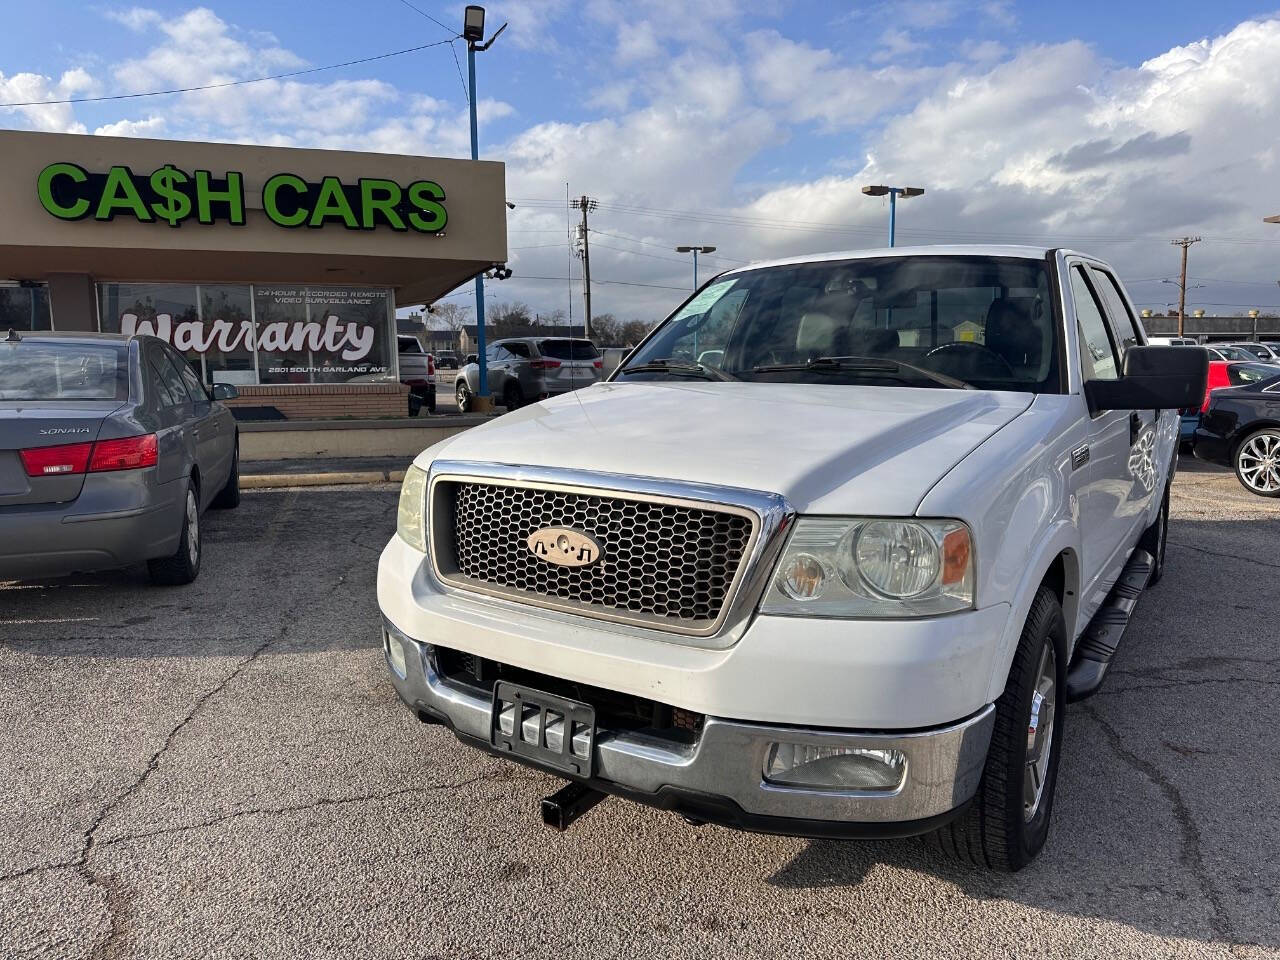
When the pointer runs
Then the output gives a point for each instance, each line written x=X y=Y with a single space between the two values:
x=110 y=450
x=1240 y=428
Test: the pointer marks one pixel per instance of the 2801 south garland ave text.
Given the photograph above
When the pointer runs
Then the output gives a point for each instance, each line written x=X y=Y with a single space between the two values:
x=173 y=196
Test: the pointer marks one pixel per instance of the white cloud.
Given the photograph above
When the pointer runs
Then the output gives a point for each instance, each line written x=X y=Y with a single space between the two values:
x=35 y=88
x=135 y=18
x=150 y=127
x=636 y=42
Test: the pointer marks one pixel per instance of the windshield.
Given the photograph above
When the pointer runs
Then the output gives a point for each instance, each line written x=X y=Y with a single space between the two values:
x=568 y=349
x=1235 y=353
x=986 y=322
x=63 y=371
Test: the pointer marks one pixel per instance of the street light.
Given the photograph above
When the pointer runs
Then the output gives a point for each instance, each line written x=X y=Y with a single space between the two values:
x=473 y=33
x=695 y=251
x=893 y=193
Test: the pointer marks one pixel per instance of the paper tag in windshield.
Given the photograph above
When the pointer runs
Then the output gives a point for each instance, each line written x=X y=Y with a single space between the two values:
x=705 y=300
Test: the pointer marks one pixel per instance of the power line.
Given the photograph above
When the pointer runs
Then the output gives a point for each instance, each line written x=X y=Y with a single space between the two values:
x=466 y=94
x=664 y=246
x=452 y=32
x=228 y=83
x=847 y=230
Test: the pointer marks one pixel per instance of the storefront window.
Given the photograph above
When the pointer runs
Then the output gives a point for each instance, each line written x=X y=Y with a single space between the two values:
x=24 y=308
x=265 y=333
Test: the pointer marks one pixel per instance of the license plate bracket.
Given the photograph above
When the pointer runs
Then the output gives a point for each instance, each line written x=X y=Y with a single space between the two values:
x=553 y=731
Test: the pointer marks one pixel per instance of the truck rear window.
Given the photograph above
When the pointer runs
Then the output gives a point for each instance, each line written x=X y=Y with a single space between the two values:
x=568 y=349
x=63 y=371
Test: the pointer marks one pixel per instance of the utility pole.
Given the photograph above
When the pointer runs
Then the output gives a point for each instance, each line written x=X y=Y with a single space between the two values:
x=1184 y=243
x=585 y=204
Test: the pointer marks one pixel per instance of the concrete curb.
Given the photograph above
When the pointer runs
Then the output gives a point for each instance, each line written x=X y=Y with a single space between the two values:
x=342 y=478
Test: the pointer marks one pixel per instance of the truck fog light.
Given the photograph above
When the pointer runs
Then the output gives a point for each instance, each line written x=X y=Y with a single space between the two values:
x=834 y=768
x=803 y=577
x=395 y=653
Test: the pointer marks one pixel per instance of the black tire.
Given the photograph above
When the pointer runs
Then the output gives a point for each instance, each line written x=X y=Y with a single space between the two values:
x=184 y=566
x=1267 y=487
x=228 y=497
x=415 y=404
x=1156 y=538
x=431 y=401
x=512 y=398
x=463 y=396
x=994 y=831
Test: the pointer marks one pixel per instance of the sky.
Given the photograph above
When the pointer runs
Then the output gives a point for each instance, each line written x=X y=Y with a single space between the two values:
x=1111 y=128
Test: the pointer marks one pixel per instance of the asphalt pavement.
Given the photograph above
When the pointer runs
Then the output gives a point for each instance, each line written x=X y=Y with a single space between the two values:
x=223 y=770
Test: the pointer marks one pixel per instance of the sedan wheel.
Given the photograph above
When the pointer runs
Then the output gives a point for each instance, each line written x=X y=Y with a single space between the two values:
x=1258 y=463
x=183 y=566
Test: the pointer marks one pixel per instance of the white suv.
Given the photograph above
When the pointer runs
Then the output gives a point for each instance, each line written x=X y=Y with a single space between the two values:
x=840 y=582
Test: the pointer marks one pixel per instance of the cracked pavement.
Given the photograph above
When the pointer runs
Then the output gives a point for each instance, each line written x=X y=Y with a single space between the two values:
x=222 y=770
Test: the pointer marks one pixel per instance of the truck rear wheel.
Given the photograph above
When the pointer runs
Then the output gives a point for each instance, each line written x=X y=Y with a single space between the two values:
x=1008 y=821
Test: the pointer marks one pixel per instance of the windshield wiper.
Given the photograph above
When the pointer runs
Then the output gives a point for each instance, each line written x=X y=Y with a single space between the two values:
x=681 y=368
x=863 y=365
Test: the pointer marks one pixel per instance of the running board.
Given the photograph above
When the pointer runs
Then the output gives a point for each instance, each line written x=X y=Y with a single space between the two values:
x=1097 y=648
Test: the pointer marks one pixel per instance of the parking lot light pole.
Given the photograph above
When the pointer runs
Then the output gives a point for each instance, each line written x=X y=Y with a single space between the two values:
x=695 y=251
x=892 y=193
x=473 y=33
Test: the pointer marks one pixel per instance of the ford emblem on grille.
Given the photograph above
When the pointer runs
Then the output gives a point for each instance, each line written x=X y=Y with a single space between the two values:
x=564 y=547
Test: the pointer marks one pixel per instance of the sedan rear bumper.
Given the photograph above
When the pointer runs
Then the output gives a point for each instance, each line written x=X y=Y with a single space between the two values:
x=118 y=519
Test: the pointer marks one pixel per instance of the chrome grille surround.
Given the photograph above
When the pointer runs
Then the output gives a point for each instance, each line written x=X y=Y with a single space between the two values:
x=715 y=601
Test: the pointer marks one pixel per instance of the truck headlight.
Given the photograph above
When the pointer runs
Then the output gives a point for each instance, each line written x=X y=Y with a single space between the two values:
x=411 y=516
x=872 y=567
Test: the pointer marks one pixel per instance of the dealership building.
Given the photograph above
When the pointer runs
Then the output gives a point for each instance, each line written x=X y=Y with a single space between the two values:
x=275 y=269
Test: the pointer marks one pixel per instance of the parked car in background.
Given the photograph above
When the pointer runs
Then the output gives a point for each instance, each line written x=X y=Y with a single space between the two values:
x=446 y=360
x=524 y=369
x=1222 y=374
x=1173 y=341
x=842 y=583
x=1240 y=428
x=1227 y=351
x=1272 y=345
x=1260 y=350
x=418 y=373
x=110 y=450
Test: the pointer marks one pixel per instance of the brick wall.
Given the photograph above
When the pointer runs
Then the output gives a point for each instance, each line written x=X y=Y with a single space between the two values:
x=326 y=401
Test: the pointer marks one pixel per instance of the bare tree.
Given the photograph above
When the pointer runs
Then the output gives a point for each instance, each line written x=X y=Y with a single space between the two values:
x=447 y=315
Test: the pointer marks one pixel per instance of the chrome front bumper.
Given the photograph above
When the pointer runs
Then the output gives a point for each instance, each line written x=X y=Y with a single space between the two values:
x=722 y=771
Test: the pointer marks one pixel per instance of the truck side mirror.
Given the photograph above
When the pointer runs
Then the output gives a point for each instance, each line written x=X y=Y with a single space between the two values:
x=1154 y=378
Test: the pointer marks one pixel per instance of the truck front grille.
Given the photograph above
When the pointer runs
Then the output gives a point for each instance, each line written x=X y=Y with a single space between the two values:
x=664 y=563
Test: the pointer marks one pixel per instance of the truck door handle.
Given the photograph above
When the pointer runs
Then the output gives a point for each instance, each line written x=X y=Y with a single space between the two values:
x=1135 y=427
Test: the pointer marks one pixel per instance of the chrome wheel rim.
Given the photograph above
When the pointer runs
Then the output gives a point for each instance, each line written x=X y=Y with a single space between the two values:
x=193 y=529
x=1259 y=463
x=462 y=396
x=1040 y=732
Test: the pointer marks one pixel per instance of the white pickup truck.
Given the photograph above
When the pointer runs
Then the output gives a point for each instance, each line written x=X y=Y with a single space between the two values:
x=826 y=556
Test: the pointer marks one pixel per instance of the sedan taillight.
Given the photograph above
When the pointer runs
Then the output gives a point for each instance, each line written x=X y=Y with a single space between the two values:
x=56 y=461
x=129 y=453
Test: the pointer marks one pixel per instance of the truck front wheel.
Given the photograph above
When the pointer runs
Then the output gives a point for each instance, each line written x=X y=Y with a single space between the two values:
x=1007 y=823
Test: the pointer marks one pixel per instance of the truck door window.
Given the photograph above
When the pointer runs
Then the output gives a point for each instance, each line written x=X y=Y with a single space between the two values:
x=1123 y=326
x=1097 y=353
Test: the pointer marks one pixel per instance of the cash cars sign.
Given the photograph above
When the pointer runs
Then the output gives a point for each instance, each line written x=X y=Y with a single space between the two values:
x=174 y=196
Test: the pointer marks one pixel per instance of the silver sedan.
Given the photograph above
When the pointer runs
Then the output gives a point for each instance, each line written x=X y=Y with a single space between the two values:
x=110 y=450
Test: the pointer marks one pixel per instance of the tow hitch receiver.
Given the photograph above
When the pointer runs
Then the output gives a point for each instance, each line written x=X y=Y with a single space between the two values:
x=567 y=804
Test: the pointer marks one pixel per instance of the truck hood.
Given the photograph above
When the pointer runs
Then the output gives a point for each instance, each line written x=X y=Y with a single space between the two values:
x=835 y=448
